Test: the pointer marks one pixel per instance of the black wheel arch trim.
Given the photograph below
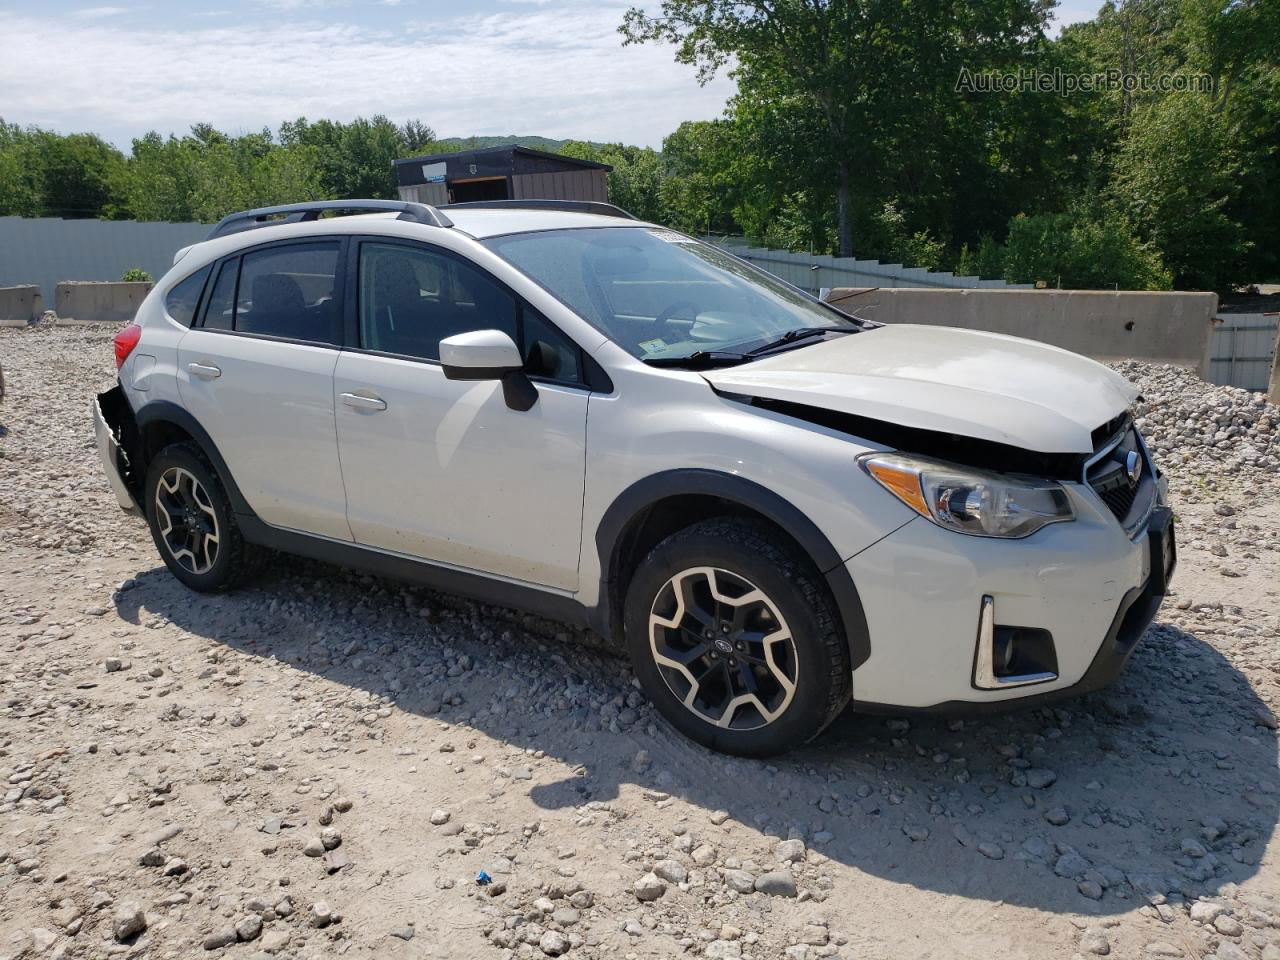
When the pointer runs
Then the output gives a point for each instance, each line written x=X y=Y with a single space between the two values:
x=165 y=411
x=643 y=494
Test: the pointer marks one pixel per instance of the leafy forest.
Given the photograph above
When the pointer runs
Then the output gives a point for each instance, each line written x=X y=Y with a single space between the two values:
x=1138 y=150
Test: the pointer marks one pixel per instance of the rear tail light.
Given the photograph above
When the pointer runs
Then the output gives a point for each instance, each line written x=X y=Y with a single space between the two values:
x=125 y=341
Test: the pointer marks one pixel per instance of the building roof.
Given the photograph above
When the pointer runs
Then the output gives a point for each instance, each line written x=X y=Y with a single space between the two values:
x=511 y=149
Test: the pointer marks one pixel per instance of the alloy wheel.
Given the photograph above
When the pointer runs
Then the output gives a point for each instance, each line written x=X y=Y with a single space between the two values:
x=187 y=521
x=723 y=648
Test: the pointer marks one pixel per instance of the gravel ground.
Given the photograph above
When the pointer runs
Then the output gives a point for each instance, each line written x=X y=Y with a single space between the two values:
x=331 y=765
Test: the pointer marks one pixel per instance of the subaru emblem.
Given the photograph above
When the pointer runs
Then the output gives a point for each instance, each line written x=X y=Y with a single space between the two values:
x=1133 y=467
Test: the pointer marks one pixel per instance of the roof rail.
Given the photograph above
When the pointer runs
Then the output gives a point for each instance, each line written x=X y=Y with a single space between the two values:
x=573 y=206
x=303 y=212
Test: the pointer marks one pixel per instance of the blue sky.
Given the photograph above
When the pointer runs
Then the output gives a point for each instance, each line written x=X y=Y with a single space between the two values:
x=550 y=67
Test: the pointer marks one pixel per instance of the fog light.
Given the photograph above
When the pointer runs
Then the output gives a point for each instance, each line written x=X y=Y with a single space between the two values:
x=1011 y=656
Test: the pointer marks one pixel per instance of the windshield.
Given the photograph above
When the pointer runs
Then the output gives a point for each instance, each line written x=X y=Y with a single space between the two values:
x=661 y=295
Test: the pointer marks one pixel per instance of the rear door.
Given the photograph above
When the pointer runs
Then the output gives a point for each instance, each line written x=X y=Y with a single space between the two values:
x=444 y=469
x=257 y=372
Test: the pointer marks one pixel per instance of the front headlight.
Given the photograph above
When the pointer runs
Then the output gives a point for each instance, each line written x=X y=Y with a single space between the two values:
x=976 y=502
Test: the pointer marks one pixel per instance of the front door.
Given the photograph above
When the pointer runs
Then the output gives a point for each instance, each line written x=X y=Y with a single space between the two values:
x=444 y=470
x=256 y=371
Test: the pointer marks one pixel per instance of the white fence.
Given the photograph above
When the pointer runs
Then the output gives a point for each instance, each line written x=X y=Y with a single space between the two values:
x=1243 y=350
x=814 y=273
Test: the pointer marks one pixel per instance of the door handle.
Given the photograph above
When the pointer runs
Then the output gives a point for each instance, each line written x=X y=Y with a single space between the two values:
x=363 y=401
x=206 y=371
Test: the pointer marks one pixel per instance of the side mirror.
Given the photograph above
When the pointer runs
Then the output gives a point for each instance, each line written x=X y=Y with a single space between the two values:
x=489 y=355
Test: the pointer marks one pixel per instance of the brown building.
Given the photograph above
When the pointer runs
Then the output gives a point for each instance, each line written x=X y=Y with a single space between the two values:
x=500 y=173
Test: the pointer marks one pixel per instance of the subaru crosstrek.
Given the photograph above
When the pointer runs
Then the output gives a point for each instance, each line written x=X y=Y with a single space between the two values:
x=776 y=507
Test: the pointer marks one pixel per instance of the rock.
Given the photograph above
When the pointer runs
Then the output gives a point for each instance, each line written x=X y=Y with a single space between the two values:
x=553 y=943
x=633 y=928
x=402 y=933
x=273 y=941
x=1039 y=779
x=1090 y=888
x=671 y=870
x=1205 y=911
x=649 y=888
x=175 y=867
x=342 y=804
x=723 y=950
x=704 y=855
x=815 y=935
x=1070 y=865
x=992 y=851
x=155 y=857
x=776 y=884
x=719 y=816
x=249 y=928
x=128 y=921
x=1057 y=816
x=440 y=817
x=321 y=915
x=915 y=832
x=115 y=665
x=1228 y=926
x=41 y=939
x=313 y=847
x=222 y=937
x=335 y=860
x=739 y=880
x=330 y=838
x=1095 y=942
x=789 y=851
x=1230 y=951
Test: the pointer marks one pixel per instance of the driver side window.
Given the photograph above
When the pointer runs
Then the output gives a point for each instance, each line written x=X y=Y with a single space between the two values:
x=411 y=298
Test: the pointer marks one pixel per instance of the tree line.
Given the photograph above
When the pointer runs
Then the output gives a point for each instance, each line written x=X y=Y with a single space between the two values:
x=912 y=133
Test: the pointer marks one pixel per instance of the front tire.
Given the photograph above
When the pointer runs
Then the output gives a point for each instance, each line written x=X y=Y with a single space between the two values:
x=192 y=522
x=735 y=638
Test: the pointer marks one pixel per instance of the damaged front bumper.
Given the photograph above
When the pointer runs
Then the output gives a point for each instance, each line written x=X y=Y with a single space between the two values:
x=115 y=461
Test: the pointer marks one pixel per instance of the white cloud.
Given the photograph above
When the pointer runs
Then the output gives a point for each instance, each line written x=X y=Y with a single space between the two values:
x=97 y=13
x=556 y=72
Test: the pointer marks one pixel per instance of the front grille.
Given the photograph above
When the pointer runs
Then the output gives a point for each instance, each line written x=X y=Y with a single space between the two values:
x=1110 y=474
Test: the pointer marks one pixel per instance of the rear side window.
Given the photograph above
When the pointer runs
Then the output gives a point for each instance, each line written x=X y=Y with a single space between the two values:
x=219 y=311
x=289 y=292
x=184 y=297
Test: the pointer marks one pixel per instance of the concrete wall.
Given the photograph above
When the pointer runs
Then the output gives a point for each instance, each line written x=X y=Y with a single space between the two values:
x=20 y=306
x=1161 y=327
x=47 y=250
x=114 y=303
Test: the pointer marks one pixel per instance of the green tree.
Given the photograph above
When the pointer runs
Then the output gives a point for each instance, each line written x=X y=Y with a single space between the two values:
x=877 y=74
x=21 y=187
x=1175 y=177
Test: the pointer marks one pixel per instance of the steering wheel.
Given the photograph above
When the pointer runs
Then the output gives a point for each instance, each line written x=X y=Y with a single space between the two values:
x=667 y=314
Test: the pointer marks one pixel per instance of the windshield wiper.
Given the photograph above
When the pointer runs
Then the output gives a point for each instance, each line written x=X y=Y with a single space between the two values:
x=794 y=336
x=699 y=360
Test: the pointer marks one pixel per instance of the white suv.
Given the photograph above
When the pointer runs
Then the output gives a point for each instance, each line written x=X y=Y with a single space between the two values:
x=552 y=406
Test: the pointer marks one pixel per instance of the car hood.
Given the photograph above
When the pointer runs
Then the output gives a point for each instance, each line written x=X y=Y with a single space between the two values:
x=981 y=385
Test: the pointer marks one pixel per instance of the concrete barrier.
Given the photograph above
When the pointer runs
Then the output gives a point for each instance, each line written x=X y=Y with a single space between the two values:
x=1155 y=326
x=77 y=301
x=20 y=306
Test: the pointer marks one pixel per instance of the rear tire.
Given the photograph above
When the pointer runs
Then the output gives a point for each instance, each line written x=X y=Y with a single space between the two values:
x=192 y=522
x=735 y=638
